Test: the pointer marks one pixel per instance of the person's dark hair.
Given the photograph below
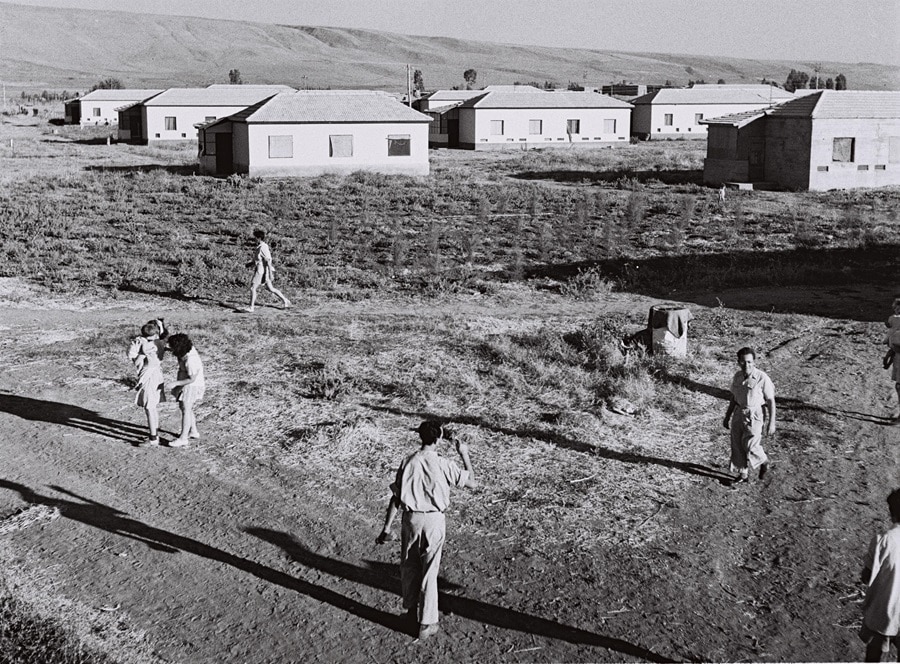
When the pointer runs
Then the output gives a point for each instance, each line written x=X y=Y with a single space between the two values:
x=430 y=431
x=893 y=501
x=150 y=328
x=180 y=344
x=746 y=350
x=259 y=234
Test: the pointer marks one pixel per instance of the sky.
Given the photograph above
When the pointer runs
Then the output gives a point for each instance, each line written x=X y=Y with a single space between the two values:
x=801 y=30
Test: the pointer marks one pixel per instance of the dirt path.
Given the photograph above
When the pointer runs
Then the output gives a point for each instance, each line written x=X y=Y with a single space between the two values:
x=225 y=562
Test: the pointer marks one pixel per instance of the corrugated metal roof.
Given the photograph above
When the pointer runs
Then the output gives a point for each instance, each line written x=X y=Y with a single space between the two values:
x=283 y=88
x=715 y=94
x=119 y=95
x=453 y=95
x=512 y=88
x=232 y=95
x=837 y=104
x=544 y=100
x=330 y=106
x=735 y=119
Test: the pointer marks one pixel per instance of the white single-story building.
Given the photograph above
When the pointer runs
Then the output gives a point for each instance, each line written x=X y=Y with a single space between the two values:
x=172 y=114
x=830 y=139
x=313 y=132
x=496 y=120
x=677 y=112
x=99 y=106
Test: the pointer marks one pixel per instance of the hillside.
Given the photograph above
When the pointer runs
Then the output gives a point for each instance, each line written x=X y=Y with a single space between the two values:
x=51 y=48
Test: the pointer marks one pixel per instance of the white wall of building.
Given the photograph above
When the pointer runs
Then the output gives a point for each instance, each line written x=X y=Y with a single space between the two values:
x=476 y=128
x=872 y=164
x=100 y=112
x=185 y=119
x=650 y=119
x=311 y=153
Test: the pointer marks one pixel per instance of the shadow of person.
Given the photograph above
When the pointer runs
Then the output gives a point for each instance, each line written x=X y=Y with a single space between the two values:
x=375 y=575
x=798 y=405
x=54 y=412
x=568 y=443
x=111 y=520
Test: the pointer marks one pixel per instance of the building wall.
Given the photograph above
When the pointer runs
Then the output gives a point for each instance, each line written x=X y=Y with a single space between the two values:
x=728 y=151
x=185 y=119
x=871 y=165
x=475 y=127
x=650 y=119
x=101 y=112
x=311 y=149
x=787 y=151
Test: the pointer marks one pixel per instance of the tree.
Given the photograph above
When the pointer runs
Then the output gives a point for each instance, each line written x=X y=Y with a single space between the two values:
x=840 y=82
x=108 y=84
x=721 y=81
x=796 y=80
x=829 y=84
x=418 y=81
x=234 y=77
x=470 y=76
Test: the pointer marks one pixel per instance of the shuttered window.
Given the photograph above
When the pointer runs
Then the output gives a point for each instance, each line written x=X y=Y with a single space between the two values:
x=171 y=123
x=496 y=127
x=573 y=126
x=609 y=126
x=340 y=145
x=842 y=149
x=535 y=127
x=281 y=147
x=399 y=145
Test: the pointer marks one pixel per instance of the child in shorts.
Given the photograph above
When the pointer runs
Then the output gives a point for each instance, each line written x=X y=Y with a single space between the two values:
x=189 y=387
x=145 y=352
x=893 y=343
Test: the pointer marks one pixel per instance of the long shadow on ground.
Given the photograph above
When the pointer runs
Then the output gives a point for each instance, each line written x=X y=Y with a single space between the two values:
x=565 y=176
x=378 y=575
x=568 y=443
x=116 y=522
x=145 y=168
x=54 y=412
x=825 y=274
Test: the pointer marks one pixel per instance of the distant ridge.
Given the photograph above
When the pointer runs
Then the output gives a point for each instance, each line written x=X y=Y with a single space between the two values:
x=52 y=48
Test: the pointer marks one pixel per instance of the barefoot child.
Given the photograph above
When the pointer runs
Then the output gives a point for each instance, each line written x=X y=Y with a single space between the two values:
x=893 y=343
x=188 y=389
x=263 y=271
x=145 y=352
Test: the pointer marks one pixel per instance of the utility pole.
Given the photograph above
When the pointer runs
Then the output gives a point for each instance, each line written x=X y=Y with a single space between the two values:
x=408 y=87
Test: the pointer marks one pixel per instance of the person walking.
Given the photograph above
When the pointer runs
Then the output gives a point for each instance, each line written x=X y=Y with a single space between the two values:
x=263 y=271
x=881 y=574
x=752 y=393
x=421 y=491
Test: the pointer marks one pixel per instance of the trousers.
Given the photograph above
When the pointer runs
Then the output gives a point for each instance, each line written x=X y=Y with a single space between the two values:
x=422 y=536
x=746 y=439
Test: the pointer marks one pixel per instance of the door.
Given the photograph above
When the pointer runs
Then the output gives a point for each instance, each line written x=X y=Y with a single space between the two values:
x=224 y=155
x=756 y=158
x=452 y=133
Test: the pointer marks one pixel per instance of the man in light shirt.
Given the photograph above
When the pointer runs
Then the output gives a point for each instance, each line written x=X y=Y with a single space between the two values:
x=421 y=491
x=881 y=573
x=752 y=393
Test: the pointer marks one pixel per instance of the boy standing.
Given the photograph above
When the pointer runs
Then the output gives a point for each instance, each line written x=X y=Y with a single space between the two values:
x=881 y=573
x=264 y=271
x=421 y=491
x=752 y=392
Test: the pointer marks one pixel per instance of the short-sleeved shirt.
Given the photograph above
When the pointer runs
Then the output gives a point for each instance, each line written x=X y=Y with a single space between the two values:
x=191 y=365
x=752 y=391
x=424 y=479
x=881 y=609
x=263 y=256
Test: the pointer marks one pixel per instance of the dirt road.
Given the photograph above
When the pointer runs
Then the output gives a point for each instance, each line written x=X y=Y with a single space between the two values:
x=197 y=558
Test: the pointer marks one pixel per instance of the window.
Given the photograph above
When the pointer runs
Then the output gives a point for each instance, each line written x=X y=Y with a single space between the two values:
x=171 y=124
x=535 y=127
x=668 y=119
x=399 y=145
x=340 y=145
x=496 y=127
x=281 y=147
x=894 y=149
x=842 y=149
x=209 y=118
x=96 y=112
x=573 y=126
x=698 y=117
x=609 y=126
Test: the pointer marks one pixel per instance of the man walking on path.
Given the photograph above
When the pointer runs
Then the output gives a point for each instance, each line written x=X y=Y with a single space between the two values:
x=881 y=573
x=263 y=272
x=421 y=491
x=752 y=392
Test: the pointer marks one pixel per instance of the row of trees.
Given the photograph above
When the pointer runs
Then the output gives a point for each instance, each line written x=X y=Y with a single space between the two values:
x=800 y=80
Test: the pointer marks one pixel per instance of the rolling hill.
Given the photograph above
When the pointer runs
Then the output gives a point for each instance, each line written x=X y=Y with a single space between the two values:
x=52 y=48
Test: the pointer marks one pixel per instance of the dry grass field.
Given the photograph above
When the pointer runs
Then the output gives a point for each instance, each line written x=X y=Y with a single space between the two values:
x=492 y=295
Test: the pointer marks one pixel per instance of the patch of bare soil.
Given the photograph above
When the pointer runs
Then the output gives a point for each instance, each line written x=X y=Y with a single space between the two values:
x=205 y=559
